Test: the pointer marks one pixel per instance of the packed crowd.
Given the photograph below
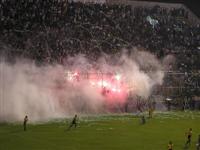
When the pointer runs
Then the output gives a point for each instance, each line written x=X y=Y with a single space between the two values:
x=50 y=30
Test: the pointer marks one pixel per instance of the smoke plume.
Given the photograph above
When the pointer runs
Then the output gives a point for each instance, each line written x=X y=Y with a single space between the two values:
x=42 y=92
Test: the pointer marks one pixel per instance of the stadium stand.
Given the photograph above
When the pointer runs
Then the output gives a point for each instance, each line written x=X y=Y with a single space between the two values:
x=48 y=31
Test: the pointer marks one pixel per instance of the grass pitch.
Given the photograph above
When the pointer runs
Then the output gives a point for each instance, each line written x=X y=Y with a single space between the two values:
x=110 y=132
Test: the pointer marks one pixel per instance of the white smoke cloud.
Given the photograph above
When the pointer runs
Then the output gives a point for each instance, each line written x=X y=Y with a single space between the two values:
x=42 y=92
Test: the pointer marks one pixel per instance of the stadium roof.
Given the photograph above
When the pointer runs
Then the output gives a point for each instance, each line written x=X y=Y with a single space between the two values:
x=192 y=4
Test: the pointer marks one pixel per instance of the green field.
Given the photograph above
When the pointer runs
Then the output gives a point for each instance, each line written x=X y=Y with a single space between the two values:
x=109 y=132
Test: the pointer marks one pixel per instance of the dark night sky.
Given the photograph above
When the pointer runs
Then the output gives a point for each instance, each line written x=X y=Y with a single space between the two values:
x=194 y=5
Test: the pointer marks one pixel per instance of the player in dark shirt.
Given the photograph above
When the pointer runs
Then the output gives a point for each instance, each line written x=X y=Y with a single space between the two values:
x=74 y=122
x=143 y=120
x=25 y=122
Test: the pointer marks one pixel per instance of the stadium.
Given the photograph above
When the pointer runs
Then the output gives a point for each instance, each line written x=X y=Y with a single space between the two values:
x=99 y=74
